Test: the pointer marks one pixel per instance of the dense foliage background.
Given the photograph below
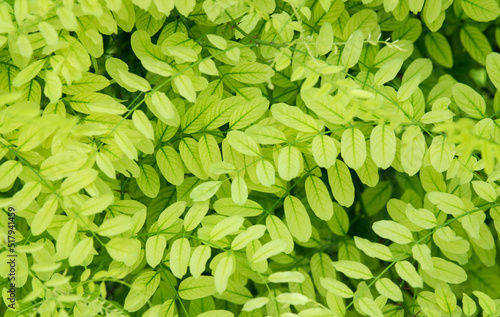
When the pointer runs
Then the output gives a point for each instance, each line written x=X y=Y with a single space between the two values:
x=250 y=158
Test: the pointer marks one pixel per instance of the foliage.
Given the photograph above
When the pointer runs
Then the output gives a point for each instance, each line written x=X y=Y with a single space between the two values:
x=251 y=158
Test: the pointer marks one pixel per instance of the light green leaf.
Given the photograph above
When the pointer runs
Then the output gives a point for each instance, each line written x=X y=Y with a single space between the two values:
x=318 y=198
x=484 y=190
x=199 y=260
x=226 y=207
x=251 y=233
x=481 y=10
x=226 y=227
x=205 y=191
x=9 y=171
x=441 y=153
x=353 y=269
x=195 y=214
x=324 y=150
x=170 y=165
x=445 y=298
x=286 y=277
x=168 y=216
x=422 y=254
x=268 y=250
x=352 y=49
x=193 y=288
x=487 y=304
x=124 y=250
x=149 y=54
x=389 y=289
x=336 y=287
x=421 y=217
x=115 y=226
x=408 y=273
x=393 y=231
x=388 y=71
x=412 y=149
x=447 y=272
x=369 y=307
x=289 y=162
x=468 y=305
x=225 y=268
x=44 y=216
x=294 y=118
x=242 y=143
x=239 y=191
x=155 y=246
x=341 y=184
x=148 y=181
x=251 y=73
x=353 y=148
x=372 y=249
x=265 y=173
x=297 y=219
x=180 y=253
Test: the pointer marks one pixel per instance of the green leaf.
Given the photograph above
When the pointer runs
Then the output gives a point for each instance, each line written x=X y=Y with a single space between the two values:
x=469 y=101
x=439 y=49
x=475 y=42
x=413 y=147
x=493 y=68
